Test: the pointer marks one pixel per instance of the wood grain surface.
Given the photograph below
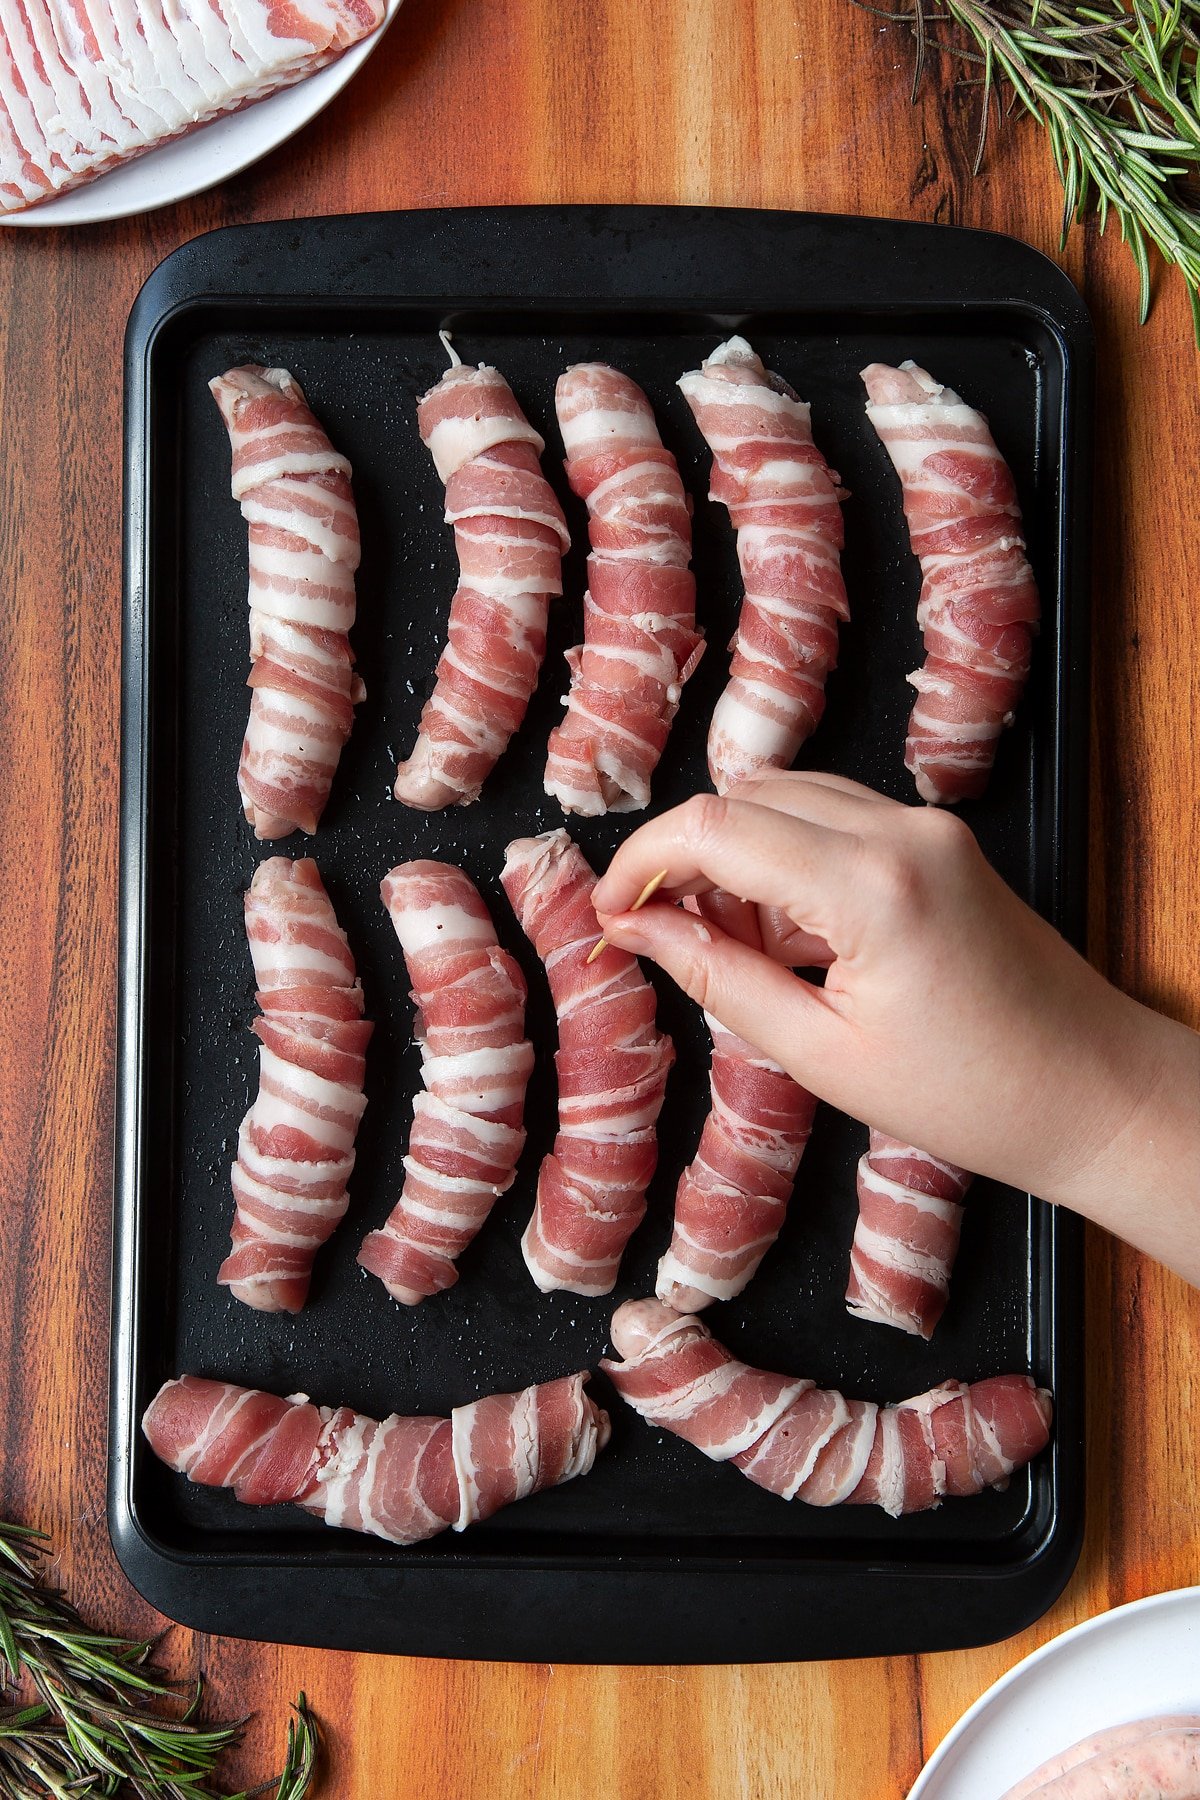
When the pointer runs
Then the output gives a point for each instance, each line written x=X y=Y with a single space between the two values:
x=761 y=103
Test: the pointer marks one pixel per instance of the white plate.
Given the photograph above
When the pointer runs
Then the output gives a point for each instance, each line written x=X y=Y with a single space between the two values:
x=206 y=156
x=1131 y=1663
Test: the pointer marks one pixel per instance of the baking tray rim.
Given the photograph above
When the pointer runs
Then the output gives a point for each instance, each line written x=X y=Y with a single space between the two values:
x=145 y=1558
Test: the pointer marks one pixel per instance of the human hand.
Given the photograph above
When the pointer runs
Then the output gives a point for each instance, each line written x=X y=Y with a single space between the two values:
x=951 y=1015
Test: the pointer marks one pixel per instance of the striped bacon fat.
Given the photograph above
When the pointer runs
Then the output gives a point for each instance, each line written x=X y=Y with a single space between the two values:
x=640 y=642
x=733 y=1197
x=978 y=608
x=783 y=501
x=809 y=1443
x=403 y=1479
x=467 y=1131
x=612 y=1065
x=510 y=535
x=295 y=496
x=296 y=1144
x=910 y=1210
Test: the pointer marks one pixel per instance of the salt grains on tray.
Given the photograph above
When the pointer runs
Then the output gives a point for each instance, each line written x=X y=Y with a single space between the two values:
x=88 y=84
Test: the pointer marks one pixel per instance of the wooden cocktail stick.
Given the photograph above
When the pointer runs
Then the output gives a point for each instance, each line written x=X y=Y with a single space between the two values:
x=651 y=888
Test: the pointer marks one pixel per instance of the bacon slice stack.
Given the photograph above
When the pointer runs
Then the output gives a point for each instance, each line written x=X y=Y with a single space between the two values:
x=732 y=1198
x=909 y=1219
x=804 y=1442
x=476 y=1062
x=403 y=1479
x=612 y=1070
x=296 y=1144
x=87 y=84
x=639 y=613
x=979 y=604
x=510 y=535
x=783 y=502
x=295 y=496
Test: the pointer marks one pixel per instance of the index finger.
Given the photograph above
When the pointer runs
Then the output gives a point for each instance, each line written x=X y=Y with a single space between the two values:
x=752 y=852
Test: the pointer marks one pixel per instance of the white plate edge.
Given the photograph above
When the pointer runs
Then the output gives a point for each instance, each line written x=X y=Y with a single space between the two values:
x=1030 y=1664
x=316 y=92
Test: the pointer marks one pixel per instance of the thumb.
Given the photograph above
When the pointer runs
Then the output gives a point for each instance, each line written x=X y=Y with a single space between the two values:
x=772 y=1009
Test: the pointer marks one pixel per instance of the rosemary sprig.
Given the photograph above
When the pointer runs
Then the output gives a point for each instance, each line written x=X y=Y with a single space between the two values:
x=93 y=1718
x=1115 y=86
x=300 y=1758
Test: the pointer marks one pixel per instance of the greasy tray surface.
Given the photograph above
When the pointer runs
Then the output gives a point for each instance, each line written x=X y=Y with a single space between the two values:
x=657 y=1554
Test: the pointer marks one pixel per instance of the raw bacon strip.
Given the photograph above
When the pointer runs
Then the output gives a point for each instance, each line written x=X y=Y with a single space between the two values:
x=101 y=130
x=612 y=1070
x=88 y=37
x=979 y=604
x=783 y=502
x=400 y=1479
x=732 y=1198
x=84 y=86
x=295 y=495
x=510 y=535
x=52 y=139
x=805 y=1442
x=640 y=642
x=467 y=1133
x=296 y=1144
x=909 y=1218
x=22 y=182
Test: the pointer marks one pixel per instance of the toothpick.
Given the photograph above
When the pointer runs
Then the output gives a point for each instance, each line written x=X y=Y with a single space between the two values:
x=651 y=888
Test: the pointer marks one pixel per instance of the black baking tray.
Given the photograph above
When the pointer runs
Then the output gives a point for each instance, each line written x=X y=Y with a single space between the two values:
x=658 y=1555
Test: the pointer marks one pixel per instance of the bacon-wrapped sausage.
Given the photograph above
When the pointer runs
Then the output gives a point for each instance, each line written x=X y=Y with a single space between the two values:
x=467 y=1133
x=403 y=1479
x=510 y=535
x=296 y=1144
x=783 y=502
x=733 y=1196
x=612 y=1071
x=804 y=1442
x=640 y=642
x=906 y=1237
x=295 y=495
x=979 y=604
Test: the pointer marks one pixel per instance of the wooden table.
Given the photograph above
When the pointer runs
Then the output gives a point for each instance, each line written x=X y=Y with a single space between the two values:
x=761 y=103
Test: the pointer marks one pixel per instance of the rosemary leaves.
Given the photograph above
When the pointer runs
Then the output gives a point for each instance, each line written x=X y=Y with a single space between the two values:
x=1115 y=87
x=95 y=1717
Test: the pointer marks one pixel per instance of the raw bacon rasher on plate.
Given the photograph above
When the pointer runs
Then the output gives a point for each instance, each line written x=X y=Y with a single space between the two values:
x=640 y=642
x=783 y=501
x=510 y=535
x=733 y=1196
x=296 y=1144
x=612 y=1065
x=978 y=608
x=910 y=1210
x=88 y=84
x=403 y=1479
x=809 y=1443
x=295 y=495
x=467 y=1132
